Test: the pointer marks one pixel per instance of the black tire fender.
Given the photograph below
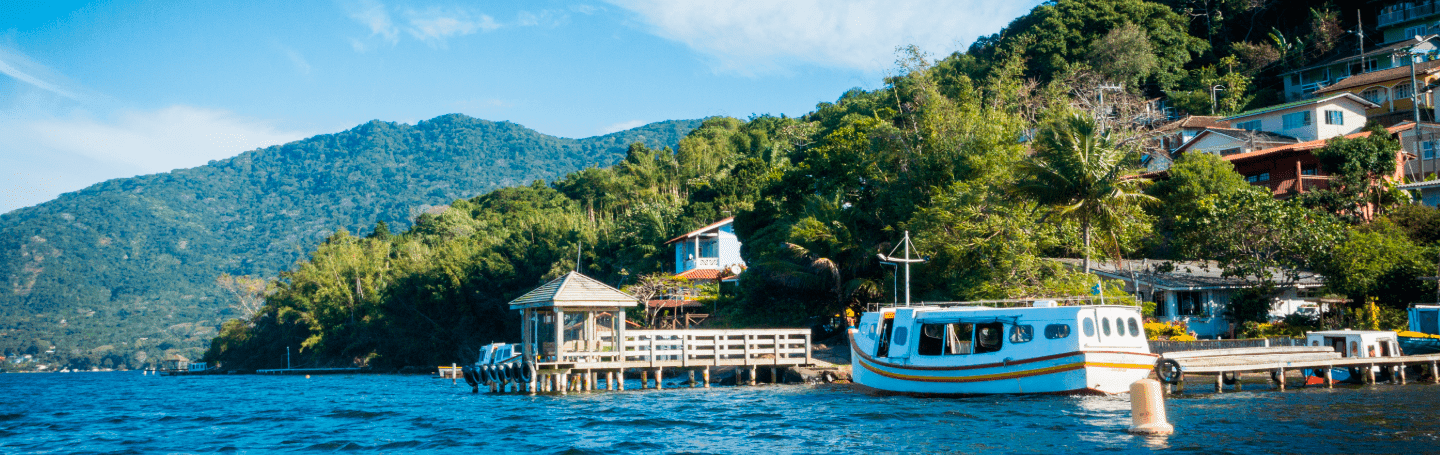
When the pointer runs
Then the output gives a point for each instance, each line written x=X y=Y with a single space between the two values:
x=1168 y=371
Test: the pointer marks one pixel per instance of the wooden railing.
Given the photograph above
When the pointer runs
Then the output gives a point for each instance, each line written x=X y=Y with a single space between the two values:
x=683 y=348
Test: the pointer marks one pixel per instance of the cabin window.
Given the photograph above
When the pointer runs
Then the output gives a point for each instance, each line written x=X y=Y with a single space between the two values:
x=1385 y=348
x=1134 y=328
x=868 y=330
x=901 y=333
x=958 y=338
x=1105 y=326
x=1089 y=326
x=1354 y=349
x=1057 y=331
x=1022 y=333
x=989 y=337
x=932 y=339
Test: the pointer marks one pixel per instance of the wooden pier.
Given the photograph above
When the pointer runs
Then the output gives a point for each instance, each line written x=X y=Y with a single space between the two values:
x=1276 y=361
x=574 y=338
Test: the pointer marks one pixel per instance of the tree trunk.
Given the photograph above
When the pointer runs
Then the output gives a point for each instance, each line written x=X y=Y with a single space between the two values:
x=1087 y=246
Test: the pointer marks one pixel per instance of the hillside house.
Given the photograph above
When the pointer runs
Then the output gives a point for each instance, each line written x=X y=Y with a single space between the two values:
x=1293 y=169
x=1404 y=27
x=1193 y=292
x=1390 y=92
x=709 y=253
x=1282 y=125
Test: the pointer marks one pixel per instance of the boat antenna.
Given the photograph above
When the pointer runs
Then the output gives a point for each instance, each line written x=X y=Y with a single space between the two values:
x=907 y=260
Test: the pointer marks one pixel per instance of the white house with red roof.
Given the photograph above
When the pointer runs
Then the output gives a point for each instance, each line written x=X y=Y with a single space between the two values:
x=709 y=253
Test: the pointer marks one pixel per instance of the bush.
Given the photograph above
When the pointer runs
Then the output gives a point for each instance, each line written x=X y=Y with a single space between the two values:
x=1252 y=329
x=1174 y=331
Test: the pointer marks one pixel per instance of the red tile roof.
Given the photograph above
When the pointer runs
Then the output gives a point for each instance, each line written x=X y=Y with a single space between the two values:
x=1374 y=77
x=700 y=274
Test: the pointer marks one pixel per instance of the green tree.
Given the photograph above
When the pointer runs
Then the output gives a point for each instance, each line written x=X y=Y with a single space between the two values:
x=1361 y=167
x=1082 y=176
x=1378 y=261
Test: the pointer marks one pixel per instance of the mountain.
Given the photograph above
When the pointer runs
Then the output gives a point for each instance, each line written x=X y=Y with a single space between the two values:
x=116 y=273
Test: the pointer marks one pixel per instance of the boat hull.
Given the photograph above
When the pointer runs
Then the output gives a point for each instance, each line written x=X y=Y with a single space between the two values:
x=1101 y=372
x=1419 y=345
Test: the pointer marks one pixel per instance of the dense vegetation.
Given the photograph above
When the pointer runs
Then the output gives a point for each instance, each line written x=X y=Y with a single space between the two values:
x=993 y=159
x=119 y=273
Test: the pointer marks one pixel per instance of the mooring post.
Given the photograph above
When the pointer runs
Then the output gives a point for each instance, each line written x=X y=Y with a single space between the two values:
x=706 y=376
x=644 y=379
x=658 y=378
x=753 y=379
x=609 y=380
x=1434 y=372
x=1370 y=374
x=561 y=383
x=1329 y=378
x=774 y=375
x=691 y=375
x=1400 y=373
x=1220 y=382
x=620 y=379
x=1280 y=379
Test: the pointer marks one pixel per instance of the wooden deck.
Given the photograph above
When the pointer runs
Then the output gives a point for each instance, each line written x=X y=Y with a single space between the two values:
x=578 y=369
x=1275 y=361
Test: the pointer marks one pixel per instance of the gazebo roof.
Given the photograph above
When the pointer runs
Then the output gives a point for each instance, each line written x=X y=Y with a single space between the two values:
x=574 y=290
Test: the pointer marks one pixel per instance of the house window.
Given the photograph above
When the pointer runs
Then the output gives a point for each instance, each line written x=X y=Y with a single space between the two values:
x=1258 y=178
x=1189 y=303
x=1416 y=31
x=1427 y=150
x=1230 y=151
x=1374 y=94
x=1402 y=91
x=1309 y=171
x=1253 y=125
x=1334 y=117
x=1297 y=119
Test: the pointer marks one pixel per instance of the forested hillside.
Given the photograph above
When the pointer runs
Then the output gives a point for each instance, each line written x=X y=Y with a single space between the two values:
x=126 y=270
x=993 y=159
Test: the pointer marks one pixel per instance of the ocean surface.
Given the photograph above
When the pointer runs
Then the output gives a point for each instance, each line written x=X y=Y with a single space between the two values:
x=126 y=412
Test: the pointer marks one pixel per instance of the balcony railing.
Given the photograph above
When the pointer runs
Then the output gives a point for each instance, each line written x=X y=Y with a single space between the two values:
x=1405 y=14
x=703 y=263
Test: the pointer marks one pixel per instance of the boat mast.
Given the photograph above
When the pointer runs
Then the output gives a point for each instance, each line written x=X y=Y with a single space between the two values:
x=907 y=260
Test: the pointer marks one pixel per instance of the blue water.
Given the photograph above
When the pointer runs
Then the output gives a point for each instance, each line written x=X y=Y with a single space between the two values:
x=131 y=413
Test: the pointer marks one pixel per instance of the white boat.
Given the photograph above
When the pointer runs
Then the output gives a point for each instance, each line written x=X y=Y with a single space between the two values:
x=498 y=363
x=1001 y=347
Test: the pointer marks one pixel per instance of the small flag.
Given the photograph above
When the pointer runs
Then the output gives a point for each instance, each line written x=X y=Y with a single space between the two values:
x=1095 y=290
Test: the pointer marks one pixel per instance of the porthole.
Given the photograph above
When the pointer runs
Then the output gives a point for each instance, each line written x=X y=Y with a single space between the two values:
x=1088 y=325
x=1134 y=328
x=1105 y=326
x=1021 y=333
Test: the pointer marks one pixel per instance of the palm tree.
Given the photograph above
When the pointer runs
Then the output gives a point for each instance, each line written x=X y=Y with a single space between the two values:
x=1081 y=173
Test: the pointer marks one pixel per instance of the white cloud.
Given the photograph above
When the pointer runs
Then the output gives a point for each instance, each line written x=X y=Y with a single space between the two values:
x=622 y=126
x=372 y=14
x=156 y=141
x=298 y=60
x=757 y=36
x=17 y=65
x=431 y=25
x=436 y=24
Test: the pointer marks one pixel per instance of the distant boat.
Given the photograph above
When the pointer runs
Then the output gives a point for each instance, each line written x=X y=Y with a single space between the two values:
x=1424 y=334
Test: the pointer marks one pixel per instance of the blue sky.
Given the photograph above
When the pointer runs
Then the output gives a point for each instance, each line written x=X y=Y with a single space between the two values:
x=91 y=91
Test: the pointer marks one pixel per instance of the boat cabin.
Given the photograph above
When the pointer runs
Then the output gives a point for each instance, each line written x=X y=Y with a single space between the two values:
x=1357 y=343
x=495 y=353
x=1425 y=319
x=926 y=335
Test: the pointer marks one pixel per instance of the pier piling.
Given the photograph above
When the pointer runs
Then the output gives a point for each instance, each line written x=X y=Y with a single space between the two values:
x=706 y=375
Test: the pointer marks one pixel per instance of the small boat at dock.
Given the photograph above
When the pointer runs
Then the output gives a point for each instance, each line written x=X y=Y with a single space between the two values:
x=1424 y=334
x=1001 y=347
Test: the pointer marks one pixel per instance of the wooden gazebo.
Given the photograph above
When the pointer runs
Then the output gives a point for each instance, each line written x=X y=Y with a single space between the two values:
x=573 y=321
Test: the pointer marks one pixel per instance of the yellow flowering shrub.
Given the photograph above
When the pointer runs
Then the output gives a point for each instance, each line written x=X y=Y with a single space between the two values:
x=1156 y=330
